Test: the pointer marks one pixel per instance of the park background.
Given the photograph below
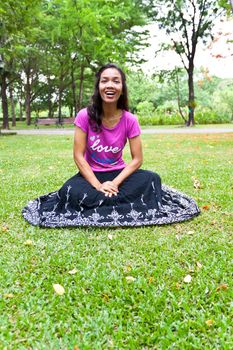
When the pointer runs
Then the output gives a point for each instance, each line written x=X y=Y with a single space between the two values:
x=50 y=51
x=160 y=287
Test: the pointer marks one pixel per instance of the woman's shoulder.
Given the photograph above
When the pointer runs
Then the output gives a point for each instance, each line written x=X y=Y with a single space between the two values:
x=129 y=115
x=81 y=119
x=130 y=118
x=132 y=125
x=82 y=113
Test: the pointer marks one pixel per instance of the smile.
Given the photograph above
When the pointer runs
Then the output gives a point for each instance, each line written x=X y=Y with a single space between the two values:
x=110 y=93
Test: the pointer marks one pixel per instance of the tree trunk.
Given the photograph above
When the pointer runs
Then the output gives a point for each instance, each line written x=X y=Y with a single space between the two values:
x=61 y=88
x=28 y=99
x=73 y=87
x=59 y=103
x=191 y=102
x=80 y=95
x=20 y=111
x=178 y=96
x=50 y=107
x=12 y=105
x=5 y=124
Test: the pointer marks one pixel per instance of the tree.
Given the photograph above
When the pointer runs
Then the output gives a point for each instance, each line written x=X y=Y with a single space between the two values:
x=17 y=20
x=186 y=22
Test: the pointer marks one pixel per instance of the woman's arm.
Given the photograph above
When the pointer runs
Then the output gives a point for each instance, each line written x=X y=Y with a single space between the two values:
x=80 y=141
x=135 y=144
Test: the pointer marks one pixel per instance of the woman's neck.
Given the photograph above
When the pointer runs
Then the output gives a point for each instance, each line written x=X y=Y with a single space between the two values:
x=110 y=110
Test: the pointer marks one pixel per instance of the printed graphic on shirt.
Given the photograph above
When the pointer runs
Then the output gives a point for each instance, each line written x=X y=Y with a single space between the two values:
x=97 y=147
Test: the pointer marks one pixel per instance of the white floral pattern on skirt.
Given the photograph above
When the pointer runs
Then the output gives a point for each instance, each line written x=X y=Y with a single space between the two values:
x=142 y=200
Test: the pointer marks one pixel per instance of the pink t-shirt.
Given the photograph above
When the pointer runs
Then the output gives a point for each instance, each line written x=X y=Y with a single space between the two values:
x=104 y=149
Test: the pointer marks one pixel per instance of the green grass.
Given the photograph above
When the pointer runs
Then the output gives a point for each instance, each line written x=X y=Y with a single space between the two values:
x=100 y=309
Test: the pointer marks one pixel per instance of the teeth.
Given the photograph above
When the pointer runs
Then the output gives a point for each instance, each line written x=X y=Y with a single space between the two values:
x=110 y=93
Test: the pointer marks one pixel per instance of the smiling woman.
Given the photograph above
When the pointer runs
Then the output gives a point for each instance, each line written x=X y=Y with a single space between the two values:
x=107 y=191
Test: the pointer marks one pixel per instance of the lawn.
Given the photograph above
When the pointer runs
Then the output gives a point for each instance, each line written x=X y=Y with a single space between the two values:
x=124 y=288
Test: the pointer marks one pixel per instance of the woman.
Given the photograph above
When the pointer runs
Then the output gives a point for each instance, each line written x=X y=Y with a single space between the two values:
x=106 y=191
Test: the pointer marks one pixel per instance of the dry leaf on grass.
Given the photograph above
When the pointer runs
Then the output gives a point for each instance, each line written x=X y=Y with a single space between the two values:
x=209 y=323
x=188 y=279
x=205 y=207
x=28 y=242
x=58 y=289
x=4 y=228
x=105 y=297
x=110 y=236
x=223 y=286
x=127 y=268
x=196 y=183
x=73 y=272
x=151 y=280
x=130 y=279
x=190 y=232
x=8 y=295
x=199 y=265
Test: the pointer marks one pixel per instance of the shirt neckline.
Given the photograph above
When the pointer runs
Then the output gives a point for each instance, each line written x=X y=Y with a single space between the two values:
x=114 y=127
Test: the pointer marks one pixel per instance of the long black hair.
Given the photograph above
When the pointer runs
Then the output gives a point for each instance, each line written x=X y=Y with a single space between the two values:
x=95 y=107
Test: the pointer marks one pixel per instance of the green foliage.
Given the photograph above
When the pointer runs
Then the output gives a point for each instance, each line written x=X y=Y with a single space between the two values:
x=186 y=23
x=223 y=100
x=207 y=115
x=145 y=108
x=59 y=43
x=100 y=309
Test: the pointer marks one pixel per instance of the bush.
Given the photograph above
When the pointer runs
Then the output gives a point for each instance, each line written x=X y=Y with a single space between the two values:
x=159 y=118
x=208 y=116
x=203 y=115
x=145 y=108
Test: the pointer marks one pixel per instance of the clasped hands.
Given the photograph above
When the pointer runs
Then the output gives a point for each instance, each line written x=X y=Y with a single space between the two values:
x=109 y=188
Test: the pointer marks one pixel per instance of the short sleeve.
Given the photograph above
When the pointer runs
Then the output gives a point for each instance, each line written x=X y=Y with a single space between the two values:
x=133 y=128
x=81 y=120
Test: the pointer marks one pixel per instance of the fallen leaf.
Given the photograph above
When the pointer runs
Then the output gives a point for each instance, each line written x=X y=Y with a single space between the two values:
x=76 y=347
x=28 y=242
x=190 y=232
x=209 y=323
x=151 y=279
x=4 y=228
x=214 y=222
x=127 y=268
x=58 y=289
x=73 y=272
x=205 y=207
x=196 y=183
x=105 y=297
x=187 y=279
x=178 y=286
x=110 y=236
x=130 y=279
x=223 y=286
x=8 y=295
x=199 y=265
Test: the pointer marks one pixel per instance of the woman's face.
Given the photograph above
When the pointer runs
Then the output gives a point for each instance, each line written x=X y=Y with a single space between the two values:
x=110 y=85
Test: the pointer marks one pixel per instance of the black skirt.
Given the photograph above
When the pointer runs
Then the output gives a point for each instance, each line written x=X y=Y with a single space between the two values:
x=141 y=200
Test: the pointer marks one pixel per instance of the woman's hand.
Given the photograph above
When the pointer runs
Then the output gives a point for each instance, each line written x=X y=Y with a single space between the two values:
x=108 y=188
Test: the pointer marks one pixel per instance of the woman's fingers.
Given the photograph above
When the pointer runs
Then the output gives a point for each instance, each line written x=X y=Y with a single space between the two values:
x=109 y=188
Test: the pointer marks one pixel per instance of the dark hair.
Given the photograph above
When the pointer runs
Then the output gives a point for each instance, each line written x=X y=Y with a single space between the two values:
x=95 y=107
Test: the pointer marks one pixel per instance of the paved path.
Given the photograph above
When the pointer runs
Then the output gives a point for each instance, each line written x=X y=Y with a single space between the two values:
x=181 y=130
